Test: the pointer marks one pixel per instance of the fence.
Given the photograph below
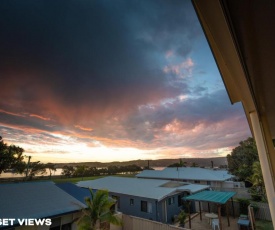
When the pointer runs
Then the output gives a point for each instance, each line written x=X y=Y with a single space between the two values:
x=136 y=223
x=261 y=212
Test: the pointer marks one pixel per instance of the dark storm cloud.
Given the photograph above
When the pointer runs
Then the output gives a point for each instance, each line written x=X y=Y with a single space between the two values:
x=101 y=55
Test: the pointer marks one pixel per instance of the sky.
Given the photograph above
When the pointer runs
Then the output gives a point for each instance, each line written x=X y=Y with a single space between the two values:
x=104 y=80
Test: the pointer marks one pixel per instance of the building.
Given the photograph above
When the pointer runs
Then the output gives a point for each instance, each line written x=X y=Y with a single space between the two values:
x=158 y=200
x=38 y=200
x=216 y=179
x=241 y=37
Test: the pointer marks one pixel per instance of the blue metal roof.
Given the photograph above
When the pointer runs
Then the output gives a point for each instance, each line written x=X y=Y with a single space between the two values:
x=187 y=173
x=148 y=188
x=211 y=196
x=75 y=191
x=35 y=200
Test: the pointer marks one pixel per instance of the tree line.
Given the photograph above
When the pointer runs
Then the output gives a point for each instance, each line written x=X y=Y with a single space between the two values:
x=12 y=159
x=82 y=170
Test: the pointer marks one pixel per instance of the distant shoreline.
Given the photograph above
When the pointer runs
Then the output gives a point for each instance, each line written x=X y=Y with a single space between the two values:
x=202 y=162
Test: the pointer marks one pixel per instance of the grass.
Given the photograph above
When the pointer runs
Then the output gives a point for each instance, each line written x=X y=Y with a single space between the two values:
x=77 y=179
x=264 y=225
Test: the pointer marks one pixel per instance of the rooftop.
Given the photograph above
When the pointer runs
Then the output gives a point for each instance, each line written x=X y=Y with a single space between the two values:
x=147 y=188
x=187 y=173
x=35 y=200
x=75 y=191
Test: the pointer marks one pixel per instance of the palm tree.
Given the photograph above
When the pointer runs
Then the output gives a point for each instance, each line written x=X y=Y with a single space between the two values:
x=194 y=164
x=51 y=168
x=257 y=180
x=99 y=210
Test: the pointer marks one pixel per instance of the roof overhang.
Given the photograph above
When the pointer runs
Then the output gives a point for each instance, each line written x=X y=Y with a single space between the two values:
x=241 y=36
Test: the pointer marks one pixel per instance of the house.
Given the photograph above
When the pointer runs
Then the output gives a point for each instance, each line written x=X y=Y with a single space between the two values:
x=216 y=179
x=37 y=200
x=158 y=200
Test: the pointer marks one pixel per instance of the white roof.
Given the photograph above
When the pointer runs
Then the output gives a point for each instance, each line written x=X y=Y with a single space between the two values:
x=187 y=173
x=147 y=188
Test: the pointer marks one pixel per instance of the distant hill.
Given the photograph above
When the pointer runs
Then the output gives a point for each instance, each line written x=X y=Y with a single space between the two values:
x=201 y=162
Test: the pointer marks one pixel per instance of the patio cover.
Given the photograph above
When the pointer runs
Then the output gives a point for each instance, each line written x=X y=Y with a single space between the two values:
x=217 y=197
x=211 y=196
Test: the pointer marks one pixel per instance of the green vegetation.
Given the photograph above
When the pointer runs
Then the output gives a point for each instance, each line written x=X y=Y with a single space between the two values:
x=11 y=157
x=264 y=225
x=84 y=171
x=181 y=218
x=100 y=210
x=77 y=179
x=242 y=158
x=243 y=205
x=257 y=190
x=243 y=162
x=180 y=164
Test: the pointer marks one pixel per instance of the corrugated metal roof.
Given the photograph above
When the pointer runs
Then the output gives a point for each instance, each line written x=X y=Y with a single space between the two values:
x=147 y=188
x=187 y=173
x=35 y=200
x=75 y=191
x=211 y=196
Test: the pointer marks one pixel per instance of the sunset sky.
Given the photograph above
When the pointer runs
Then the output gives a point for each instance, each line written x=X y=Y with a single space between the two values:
x=105 y=80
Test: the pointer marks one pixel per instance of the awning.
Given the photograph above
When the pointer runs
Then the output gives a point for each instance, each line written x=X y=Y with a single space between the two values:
x=211 y=196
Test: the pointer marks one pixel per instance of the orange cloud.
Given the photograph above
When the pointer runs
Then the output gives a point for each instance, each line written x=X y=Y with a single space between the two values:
x=83 y=128
x=40 y=117
x=10 y=113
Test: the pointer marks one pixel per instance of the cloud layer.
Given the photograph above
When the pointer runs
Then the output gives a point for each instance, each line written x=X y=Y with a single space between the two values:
x=114 y=74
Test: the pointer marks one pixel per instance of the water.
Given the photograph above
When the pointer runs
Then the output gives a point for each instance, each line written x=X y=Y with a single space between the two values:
x=54 y=173
x=14 y=175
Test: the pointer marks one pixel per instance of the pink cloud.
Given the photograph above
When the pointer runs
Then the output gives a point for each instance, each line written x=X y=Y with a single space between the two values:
x=40 y=117
x=11 y=113
x=169 y=54
x=83 y=128
x=183 y=69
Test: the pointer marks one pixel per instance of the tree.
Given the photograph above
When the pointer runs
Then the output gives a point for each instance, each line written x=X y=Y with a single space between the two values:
x=36 y=168
x=51 y=168
x=81 y=170
x=99 y=210
x=241 y=159
x=11 y=157
x=181 y=218
x=180 y=164
x=258 y=187
x=68 y=170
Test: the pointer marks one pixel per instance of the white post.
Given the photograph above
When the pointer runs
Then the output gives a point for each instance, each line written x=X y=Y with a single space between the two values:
x=266 y=170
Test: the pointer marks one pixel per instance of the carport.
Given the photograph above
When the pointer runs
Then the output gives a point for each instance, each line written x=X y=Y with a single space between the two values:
x=217 y=197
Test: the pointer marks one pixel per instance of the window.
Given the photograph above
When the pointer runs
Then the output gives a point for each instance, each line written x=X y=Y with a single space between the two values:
x=197 y=182
x=131 y=201
x=171 y=200
x=146 y=206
